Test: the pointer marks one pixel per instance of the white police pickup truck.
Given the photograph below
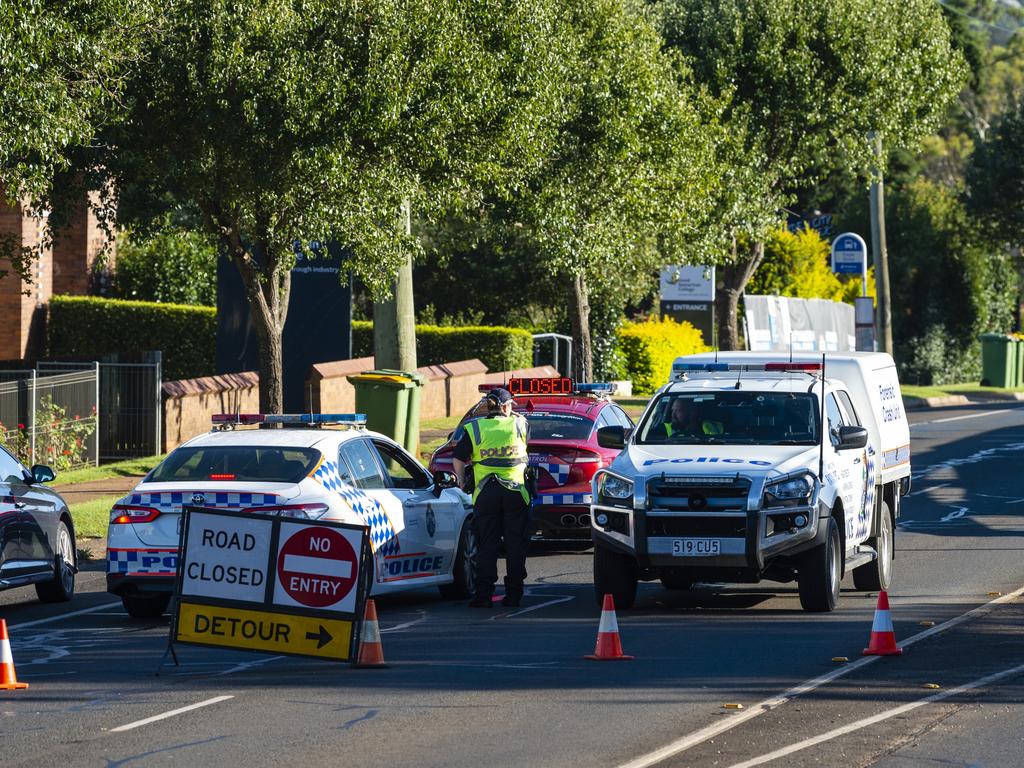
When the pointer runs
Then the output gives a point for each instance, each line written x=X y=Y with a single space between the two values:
x=735 y=473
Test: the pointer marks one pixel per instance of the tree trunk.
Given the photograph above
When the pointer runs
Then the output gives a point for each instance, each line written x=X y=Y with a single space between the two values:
x=394 y=319
x=579 y=317
x=731 y=281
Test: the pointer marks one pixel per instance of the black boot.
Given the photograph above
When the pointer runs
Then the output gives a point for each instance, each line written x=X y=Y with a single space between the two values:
x=481 y=601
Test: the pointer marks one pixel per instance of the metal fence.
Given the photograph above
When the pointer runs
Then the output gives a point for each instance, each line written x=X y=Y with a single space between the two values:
x=51 y=419
x=130 y=404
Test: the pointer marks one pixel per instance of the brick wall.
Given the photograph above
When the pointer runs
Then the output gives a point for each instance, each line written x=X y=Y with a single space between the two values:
x=189 y=403
x=76 y=250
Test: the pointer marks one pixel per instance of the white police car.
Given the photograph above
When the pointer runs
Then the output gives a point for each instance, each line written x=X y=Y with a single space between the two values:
x=419 y=525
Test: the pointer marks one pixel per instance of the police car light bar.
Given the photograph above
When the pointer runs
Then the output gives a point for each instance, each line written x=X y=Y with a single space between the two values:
x=350 y=419
x=596 y=387
x=485 y=388
x=682 y=368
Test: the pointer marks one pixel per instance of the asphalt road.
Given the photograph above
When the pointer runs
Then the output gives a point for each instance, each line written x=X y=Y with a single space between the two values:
x=472 y=688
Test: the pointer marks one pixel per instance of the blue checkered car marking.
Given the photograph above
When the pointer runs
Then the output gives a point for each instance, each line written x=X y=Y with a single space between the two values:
x=562 y=499
x=216 y=499
x=383 y=538
x=144 y=561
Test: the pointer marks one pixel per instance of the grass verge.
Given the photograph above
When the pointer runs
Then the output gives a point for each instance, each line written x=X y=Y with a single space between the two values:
x=91 y=517
x=127 y=468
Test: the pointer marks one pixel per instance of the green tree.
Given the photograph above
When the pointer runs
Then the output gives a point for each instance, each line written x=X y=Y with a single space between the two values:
x=315 y=119
x=995 y=179
x=172 y=266
x=62 y=65
x=804 y=82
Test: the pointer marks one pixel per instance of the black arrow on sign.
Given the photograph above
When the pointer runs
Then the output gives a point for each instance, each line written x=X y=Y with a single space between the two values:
x=323 y=637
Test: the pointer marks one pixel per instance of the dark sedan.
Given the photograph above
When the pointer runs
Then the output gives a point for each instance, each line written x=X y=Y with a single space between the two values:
x=37 y=535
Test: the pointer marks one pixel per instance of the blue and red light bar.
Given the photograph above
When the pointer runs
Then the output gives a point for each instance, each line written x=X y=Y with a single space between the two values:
x=354 y=419
x=711 y=367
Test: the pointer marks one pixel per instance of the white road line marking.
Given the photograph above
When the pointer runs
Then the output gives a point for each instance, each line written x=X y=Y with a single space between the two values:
x=889 y=713
x=927 y=489
x=961 y=418
x=172 y=713
x=697 y=737
x=406 y=625
x=958 y=512
x=560 y=599
x=62 y=616
x=243 y=666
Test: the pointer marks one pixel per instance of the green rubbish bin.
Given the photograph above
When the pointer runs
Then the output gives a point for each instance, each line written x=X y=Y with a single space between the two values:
x=998 y=360
x=384 y=398
x=411 y=441
x=1020 y=362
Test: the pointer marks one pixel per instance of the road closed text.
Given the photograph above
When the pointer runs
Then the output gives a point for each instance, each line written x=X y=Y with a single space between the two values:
x=230 y=574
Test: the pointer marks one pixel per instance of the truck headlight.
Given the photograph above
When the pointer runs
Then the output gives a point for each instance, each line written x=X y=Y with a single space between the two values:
x=615 y=491
x=795 y=492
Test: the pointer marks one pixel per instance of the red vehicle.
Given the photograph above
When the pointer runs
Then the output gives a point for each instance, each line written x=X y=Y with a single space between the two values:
x=564 y=419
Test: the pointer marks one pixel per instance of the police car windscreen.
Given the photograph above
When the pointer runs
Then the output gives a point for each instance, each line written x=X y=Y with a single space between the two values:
x=558 y=426
x=731 y=418
x=263 y=464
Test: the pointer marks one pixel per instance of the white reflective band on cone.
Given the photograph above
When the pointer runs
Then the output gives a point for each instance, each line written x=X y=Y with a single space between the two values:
x=882 y=622
x=371 y=633
x=6 y=657
x=608 y=622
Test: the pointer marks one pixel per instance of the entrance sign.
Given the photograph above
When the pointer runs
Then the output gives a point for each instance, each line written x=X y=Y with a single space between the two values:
x=264 y=583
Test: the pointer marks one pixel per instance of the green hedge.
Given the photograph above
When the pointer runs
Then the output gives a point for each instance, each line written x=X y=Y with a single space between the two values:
x=498 y=348
x=80 y=326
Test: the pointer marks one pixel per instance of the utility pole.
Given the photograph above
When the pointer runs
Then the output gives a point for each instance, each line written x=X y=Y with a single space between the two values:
x=394 y=318
x=880 y=254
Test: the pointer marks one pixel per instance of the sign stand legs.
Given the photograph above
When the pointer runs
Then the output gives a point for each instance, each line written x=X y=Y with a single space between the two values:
x=163 y=659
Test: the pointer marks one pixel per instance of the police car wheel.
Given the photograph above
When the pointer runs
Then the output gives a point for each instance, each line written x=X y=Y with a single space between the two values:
x=877 y=574
x=615 y=574
x=464 y=569
x=145 y=606
x=820 y=573
x=62 y=588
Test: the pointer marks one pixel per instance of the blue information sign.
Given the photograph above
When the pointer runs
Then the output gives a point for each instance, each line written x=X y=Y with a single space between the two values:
x=849 y=254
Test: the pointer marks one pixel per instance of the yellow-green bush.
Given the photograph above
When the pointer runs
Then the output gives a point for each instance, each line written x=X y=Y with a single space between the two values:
x=799 y=264
x=648 y=350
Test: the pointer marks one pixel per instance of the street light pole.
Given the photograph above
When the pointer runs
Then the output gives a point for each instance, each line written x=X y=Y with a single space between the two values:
x=880 y=254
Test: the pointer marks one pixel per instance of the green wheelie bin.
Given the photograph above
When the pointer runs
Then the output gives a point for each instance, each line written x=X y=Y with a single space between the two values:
x=384 y=398
x=998 y=360
x=1020 y=362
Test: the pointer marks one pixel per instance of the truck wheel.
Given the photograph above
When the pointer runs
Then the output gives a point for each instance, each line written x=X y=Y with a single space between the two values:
x=877 y=574
x=676 y=580
x=820 y=572
x=614 y=574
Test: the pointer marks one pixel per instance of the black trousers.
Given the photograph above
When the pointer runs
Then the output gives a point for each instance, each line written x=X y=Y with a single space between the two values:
x=500 y=513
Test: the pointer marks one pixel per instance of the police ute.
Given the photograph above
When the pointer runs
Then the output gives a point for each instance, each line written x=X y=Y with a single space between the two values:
x=312 y=467
x=748 y=466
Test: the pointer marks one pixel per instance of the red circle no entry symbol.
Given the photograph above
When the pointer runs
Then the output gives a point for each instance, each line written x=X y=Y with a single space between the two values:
x=317 y=567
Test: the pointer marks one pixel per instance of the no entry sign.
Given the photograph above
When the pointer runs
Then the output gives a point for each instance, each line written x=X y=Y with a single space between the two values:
x=316 y=567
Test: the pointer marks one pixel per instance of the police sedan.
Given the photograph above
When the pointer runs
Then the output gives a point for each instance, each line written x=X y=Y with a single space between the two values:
x=316 y=467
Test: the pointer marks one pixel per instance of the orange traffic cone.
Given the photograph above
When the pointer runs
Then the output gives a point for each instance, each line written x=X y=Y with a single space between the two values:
x=609 y=647
x=883 y=638
x=371 y=652
x=8 y=680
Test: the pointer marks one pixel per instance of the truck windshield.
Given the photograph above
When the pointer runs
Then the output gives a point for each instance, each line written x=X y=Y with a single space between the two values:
x=731 y=418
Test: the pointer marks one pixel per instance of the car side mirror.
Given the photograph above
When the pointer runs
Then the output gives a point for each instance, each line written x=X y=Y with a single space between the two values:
x=444 y=479
x=42 y=473
x=612 y=437
x=852 y=437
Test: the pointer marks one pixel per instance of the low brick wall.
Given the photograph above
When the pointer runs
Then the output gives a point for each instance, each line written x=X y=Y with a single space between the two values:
x=189 y=403
x=328 y=389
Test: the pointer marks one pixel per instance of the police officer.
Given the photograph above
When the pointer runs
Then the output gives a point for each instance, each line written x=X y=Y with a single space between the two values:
x=496 y=444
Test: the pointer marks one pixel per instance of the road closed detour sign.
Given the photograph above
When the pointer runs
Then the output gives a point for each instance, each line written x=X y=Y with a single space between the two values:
x=263 y=583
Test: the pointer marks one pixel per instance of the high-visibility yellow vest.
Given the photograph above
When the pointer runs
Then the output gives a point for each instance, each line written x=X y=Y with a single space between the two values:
x=707 y=427
x=499 y=449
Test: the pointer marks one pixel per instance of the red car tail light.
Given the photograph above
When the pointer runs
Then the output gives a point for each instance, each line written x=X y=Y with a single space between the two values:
x=121 y=514
x=583 y=467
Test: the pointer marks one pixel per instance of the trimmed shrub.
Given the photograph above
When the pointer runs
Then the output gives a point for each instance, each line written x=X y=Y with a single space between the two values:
x=497 y=347
x=649 y=349
x=799 y=264
x=80 y=326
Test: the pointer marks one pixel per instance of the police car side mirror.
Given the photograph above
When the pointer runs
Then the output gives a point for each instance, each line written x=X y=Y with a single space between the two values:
x=42 y=474
x=852 y=437
x=444 y=479
x=612 y=437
